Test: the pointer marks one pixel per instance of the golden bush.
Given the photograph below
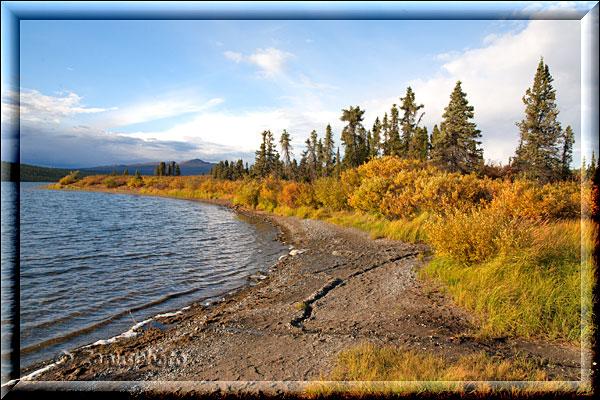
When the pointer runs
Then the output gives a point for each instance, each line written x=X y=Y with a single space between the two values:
x=332 y=193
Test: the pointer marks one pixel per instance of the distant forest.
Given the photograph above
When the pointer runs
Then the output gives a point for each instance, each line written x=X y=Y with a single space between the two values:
x=32 y=173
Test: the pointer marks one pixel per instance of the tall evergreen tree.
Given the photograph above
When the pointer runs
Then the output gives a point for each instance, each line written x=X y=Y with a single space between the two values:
x=273 y=161
x=137 y=174
x=375 y=145
x=354 y=137
x=568 y=138
x=169 y=172
x=408 y=122
x=126 y=172
x=457 y=148
x=261 y=162
x=177 y=170
x=286 y=154
x=419 y=145
x=320 y=158
x=385 y=128
x=328 y=156
x=157 y=170
x=163 y=169
x=304 y=168
x=538 y=155
x=394 y=144
x=313 y=156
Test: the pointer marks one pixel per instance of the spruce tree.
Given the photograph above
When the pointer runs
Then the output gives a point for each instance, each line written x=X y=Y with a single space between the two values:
x=304 y=173
x=385 y=128
x=169 y=172
x=328 y=150
x=137 y=174
x=457 y=148
x=538 y=154
x=273 y=162
x=394 y=144
x=261 y=167
x=408 y=123
x=313 y=161
x=353 y=137
x=375 y=145
x=177 y=170
x=568 y=138
x=419 y=145
x=157 y=170
x=126 y=172
x=286 y=154
x=163 y=169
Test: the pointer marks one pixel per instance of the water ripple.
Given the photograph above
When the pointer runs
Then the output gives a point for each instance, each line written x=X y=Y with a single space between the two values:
x=92 y=263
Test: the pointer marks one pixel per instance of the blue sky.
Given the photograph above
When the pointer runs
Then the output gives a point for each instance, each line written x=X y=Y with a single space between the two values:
x=102 y=92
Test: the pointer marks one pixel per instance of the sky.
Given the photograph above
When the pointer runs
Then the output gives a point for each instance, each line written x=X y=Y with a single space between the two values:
x=97 y=92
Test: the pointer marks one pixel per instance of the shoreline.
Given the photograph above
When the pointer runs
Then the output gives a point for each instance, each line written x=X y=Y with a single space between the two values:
x=30 y=372
x=340 y=289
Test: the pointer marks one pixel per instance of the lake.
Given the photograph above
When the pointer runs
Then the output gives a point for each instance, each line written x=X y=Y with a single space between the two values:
x=93 y=264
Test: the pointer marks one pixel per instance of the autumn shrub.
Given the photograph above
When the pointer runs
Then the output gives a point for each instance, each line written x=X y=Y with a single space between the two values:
x=247 y=194
x=531 y=200
x=370 y=194
x=409 y=188
x=110 y=183
x=192 y=182
x=69 y=179
x=157 y=182
x=529 y=285
x=467 y=237
x=306 y=195
x=92 y=180
x=331 y=193
x=289 y=195
x=176 y=182
x=270 y=188
x=135 y=182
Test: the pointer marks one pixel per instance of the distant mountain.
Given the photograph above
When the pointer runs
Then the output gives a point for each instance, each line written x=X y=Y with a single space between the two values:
x=33 y=173
x=191 y=167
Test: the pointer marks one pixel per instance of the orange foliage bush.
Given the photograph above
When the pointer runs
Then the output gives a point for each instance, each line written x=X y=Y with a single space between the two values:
x=91 y=180
x=530 y=200
x=289 y=195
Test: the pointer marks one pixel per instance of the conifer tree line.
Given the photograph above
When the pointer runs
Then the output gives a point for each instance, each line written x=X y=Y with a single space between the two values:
x=164 y=169
x=544 y=151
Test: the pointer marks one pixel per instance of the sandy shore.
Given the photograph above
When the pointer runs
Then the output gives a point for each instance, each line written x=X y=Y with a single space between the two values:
x=336 y=289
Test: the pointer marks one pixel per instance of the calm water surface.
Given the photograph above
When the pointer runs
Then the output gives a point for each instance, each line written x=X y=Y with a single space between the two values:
x=93 y=263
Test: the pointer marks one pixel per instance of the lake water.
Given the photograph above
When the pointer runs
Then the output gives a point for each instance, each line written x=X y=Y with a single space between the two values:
x=94 y=264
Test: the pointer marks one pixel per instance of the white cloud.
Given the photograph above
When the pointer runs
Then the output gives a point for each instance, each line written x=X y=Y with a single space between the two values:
x=270 y=61
x=308 y=83
x=163 y=106
x=496 y=76
x=38 y=107
x=242 y=131
x=237 y=57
